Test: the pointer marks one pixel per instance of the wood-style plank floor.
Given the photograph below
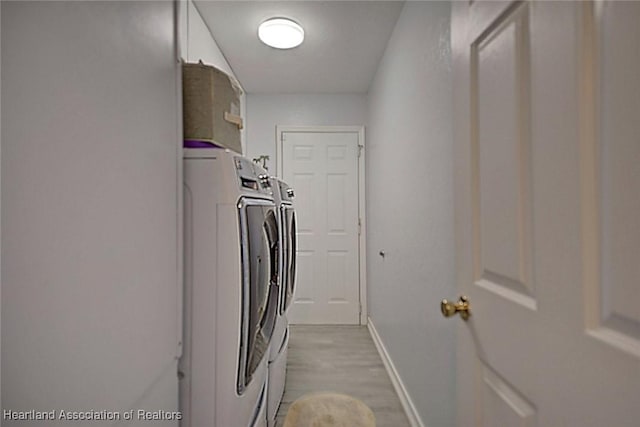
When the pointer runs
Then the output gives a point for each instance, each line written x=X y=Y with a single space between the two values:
x=340 y=359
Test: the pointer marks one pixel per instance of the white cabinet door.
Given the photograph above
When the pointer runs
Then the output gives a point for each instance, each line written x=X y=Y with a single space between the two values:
x=322 y=168
x=547 y=236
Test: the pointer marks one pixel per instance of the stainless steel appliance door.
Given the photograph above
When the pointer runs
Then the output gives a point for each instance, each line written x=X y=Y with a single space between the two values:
x=259 y=245
x=291 y=247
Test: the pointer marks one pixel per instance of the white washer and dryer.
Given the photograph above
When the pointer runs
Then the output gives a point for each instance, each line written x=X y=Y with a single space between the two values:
x=231 y=243
x=283 y=197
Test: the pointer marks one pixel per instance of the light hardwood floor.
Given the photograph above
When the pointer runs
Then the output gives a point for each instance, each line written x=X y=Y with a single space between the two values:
x=340 y=359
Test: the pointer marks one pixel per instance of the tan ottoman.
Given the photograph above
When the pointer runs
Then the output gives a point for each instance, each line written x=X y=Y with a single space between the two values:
x=329 y=410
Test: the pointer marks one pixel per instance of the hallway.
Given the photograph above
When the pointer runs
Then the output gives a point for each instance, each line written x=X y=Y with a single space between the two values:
x=341 y=359
x=498 y=159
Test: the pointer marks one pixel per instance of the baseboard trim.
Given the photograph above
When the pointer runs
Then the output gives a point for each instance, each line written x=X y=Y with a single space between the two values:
x=398 y=385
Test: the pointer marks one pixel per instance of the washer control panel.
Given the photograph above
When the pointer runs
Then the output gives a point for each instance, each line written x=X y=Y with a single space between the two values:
x=251 y=176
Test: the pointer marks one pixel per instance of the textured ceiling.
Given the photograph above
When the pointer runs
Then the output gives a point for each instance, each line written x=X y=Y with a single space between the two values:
x=344 y=41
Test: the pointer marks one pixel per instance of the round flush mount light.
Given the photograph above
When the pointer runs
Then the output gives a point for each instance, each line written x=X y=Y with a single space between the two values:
x=280 y=33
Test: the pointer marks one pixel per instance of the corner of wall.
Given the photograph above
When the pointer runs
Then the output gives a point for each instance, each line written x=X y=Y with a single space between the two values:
x=201 y=45
x=183 y=28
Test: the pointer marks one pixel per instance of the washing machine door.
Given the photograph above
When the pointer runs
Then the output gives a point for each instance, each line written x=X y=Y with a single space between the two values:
x=260 y=247
x=270 y=228
x=291 y=247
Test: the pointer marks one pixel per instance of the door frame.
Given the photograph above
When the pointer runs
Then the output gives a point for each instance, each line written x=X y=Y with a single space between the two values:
x=362 y=240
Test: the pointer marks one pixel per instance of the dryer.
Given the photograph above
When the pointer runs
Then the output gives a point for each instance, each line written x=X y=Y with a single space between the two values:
x=288 y=219
x=283 y=196
x=231 y=241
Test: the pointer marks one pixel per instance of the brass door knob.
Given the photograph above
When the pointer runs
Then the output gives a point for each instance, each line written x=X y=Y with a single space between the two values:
x=462 y=306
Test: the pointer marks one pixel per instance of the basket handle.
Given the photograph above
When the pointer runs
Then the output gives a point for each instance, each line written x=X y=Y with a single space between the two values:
x=232 y=118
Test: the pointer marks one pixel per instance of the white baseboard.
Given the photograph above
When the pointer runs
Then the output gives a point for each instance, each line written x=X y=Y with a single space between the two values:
x=403 y=395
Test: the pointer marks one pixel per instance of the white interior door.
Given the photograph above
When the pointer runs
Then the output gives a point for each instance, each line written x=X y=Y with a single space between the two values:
x=322 y=168
x=547 y=201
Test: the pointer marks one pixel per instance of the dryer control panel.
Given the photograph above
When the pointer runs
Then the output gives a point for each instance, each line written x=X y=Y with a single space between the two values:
x=252 y=176
x=286 y=192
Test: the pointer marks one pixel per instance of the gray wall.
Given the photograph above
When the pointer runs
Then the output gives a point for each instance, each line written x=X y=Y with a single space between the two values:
x=90 y=143
x=265 y=112
x=0 y=210
x=410 y=207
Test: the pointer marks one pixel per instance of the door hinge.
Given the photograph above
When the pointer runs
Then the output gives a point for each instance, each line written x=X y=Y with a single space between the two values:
x=359 y=226
x=360 y=147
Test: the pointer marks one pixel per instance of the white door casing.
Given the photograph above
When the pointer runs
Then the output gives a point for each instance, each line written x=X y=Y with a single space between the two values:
x=323 y=165
x=546 y=104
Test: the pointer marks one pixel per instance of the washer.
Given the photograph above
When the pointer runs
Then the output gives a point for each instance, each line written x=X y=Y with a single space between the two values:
x=231 y=261
x=283 y=196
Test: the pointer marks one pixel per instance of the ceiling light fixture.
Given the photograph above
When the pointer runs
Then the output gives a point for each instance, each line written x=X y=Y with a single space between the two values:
x=280 y=33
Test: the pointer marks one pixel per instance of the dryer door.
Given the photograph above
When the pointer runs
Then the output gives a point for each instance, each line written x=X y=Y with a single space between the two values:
x=259 y=233
x=291 y=247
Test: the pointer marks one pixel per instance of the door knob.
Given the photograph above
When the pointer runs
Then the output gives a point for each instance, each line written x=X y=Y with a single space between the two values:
x=462 y=306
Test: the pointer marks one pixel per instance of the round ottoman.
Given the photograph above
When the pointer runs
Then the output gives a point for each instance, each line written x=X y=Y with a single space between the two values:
x=329 y=410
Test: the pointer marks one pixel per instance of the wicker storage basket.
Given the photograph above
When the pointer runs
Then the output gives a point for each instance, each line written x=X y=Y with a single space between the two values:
x=211 y=106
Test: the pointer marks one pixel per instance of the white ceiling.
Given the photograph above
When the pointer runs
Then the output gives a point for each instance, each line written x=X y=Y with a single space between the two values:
x=344 y=41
